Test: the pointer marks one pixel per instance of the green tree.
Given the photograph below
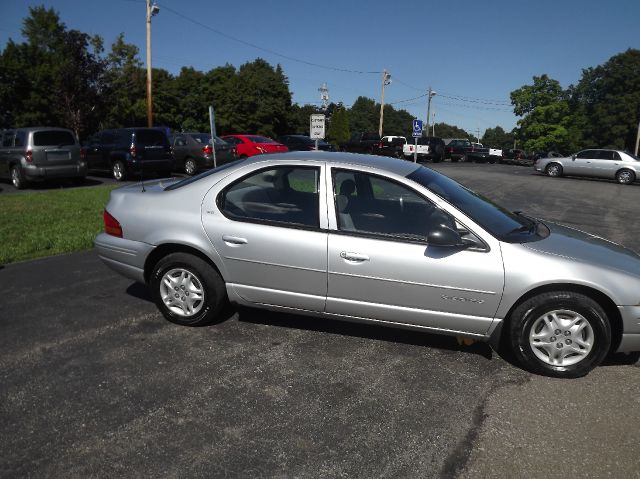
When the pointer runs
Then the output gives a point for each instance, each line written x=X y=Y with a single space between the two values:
x=363 y=115
x=339 y=132
x=606 y=102
x=125 y=103
x=544 y=106
x=444 y=130
x=299 y=118
x=497 y=137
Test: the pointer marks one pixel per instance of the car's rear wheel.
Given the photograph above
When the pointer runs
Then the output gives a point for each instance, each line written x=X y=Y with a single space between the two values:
x=187 y=290
x=119 y=171
x=17 y=178
x=561 y=334
x=190 y=166
x=625 y=177
x=554 y=170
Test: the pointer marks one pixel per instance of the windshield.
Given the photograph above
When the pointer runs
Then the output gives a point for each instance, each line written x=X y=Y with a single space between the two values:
x=501 y=223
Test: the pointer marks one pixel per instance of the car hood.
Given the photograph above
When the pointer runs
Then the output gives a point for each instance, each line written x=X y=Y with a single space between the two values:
x=587 y=248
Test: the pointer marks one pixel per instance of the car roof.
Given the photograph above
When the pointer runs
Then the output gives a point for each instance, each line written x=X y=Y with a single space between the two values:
x=393 y=165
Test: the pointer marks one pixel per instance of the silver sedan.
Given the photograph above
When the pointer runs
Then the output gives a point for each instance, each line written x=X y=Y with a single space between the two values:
x=375 y=240
x=610 y=164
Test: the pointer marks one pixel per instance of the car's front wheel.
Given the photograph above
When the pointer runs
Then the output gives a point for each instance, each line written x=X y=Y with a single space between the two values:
x=560 y=334
x=187 y=290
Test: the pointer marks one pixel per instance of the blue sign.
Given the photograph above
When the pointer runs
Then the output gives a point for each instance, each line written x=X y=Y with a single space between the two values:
x=417 y=128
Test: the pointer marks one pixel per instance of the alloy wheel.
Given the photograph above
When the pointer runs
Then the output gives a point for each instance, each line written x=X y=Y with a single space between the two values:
x=182 y=292
x=561 y=338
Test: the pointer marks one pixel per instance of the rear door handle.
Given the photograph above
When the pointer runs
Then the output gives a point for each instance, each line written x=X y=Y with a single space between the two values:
x=354 y=256
x=234 y=239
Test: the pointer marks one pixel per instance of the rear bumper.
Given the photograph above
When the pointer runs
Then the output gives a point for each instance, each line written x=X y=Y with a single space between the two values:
x=40 y=173
x=124 y=256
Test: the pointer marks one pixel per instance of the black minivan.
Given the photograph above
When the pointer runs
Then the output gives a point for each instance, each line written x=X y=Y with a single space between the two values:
x=129 y=151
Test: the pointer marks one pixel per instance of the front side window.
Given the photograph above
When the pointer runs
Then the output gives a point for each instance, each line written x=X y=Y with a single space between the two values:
x=286 y=195
x=372 y=204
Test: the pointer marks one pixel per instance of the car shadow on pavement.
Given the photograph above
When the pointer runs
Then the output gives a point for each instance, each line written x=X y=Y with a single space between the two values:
x=375 y=332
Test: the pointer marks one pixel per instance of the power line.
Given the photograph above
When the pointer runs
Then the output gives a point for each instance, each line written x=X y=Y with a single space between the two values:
x=476 y=100
x=267 y=50
x=408 y=99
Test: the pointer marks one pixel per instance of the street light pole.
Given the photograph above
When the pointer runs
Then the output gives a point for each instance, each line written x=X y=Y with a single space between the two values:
x=152 y=9
x=430 y=94
x=386 y=79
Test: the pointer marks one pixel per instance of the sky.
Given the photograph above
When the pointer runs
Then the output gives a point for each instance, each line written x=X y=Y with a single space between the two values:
x=473 y=54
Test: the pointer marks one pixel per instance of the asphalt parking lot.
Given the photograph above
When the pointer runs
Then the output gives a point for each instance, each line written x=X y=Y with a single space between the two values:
x=94 y=382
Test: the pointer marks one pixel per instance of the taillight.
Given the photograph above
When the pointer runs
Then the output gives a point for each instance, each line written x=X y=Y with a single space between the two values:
x=83 y=153
x=380 y=145
x=111 y=225
x=132 y=150
x=29 y=156
x=207 y=150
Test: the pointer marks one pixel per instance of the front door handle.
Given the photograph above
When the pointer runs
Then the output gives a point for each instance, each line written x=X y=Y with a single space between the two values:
x=234 y=239
x=354 y=256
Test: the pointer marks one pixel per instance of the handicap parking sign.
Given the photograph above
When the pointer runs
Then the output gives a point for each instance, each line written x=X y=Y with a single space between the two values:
x=417 y=128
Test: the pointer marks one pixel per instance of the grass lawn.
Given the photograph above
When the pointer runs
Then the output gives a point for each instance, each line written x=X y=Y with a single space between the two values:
x=45 y=223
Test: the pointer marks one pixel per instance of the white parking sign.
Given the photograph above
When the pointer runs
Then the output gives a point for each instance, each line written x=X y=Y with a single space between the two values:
x=317 y=127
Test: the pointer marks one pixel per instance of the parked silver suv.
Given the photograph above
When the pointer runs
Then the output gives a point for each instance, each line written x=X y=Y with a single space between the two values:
x=40 y=153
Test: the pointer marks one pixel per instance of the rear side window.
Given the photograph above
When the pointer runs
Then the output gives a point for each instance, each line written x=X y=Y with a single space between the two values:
x=286 y=195
x=53 y=138
x=151 y=138
x=21 y=138
x=7 y=141
x=260 y=139
x=203 y=139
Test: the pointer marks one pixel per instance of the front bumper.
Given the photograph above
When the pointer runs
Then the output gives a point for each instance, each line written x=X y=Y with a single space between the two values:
x=631 y=329
x=123 y=256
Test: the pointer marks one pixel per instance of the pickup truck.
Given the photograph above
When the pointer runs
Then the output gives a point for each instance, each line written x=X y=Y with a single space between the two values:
x=464 y=150
x=363 y=142
x=392 y=146
x=429 y=148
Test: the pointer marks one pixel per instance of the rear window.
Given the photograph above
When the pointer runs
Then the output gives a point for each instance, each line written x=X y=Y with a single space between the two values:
x=202 y=138
x=53 y=138
x=260 y=139
x=151 y=138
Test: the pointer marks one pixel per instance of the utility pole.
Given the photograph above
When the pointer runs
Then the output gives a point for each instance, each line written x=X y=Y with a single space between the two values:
x=637 y=139
x=478 y=134
x=152 y=9
x=430 y=93
x=386 y=79
x=433 y=124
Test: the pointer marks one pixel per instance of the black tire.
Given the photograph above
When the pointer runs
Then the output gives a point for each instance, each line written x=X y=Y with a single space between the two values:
x=454 y=160
x=535 y=312
x=243 y=157
x=17 y=178
x=119 y=170
x=190 y=166
x=201 y=276
x=625 y=176
x=554 y=170
x=464 y=158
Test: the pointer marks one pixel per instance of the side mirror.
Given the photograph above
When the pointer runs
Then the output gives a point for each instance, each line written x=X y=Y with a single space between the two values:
x=443 y=235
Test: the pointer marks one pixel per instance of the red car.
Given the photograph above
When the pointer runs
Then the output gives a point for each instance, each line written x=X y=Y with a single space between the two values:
x=249 y=145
